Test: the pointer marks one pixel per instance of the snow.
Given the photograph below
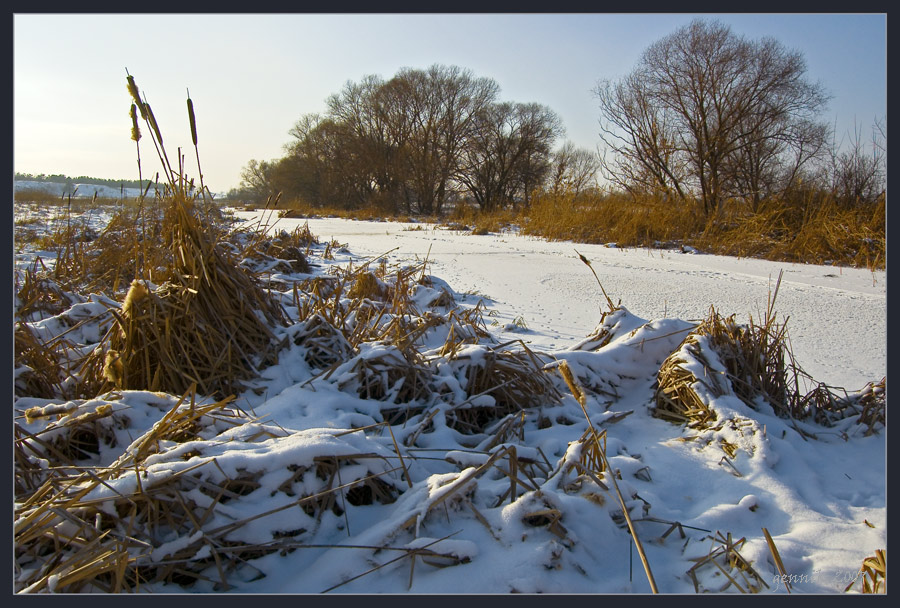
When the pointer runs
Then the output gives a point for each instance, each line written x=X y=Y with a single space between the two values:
x=822 y=500
x=545 y=284
x=80 y=190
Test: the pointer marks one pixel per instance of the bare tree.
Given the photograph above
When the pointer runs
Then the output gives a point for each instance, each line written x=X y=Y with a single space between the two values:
x=440 y=105
x=640 y=152
x=256 y=179
x=509 y=153
x=858 y=175
x=709 y=113
x=572 y=169
x=325 y=165
x=401 y=139
x=418 y=139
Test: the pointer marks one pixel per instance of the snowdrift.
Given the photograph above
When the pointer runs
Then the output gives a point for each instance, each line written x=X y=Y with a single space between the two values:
x=380 y=438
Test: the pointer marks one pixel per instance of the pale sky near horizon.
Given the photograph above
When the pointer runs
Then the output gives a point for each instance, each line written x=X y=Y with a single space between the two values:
x=252 y=76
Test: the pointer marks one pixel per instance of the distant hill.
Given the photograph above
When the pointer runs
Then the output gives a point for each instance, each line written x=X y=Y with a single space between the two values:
x=81 y=187
x=77 y=189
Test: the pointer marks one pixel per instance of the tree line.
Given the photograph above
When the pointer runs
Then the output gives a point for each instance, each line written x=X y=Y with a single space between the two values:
x=58 y=178
x=710 y=115
x=418 y=141
x=705 y=117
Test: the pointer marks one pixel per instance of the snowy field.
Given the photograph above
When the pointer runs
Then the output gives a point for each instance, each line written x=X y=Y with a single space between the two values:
x=836 y=317
x=512 y=509
x=837 y=324
x=80 y=190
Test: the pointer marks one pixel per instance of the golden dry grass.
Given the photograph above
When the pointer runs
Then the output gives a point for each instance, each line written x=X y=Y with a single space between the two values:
x=754 y=362
x=208 y=323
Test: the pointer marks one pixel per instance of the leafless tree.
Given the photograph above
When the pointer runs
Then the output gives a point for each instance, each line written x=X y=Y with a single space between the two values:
x=712 y=114
x=439 y=105
x=640 y=141
x=508 y=155
x=858 y=174
x=572 y=169
x=412 y=142
x=256 y=179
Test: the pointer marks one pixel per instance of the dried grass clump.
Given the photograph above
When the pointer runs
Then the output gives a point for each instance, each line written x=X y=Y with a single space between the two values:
x=208 y=324
x=300 y=237
x=40 y=370
x=751 y=363
x=755 y=359
x=123 y=252
x=386 y=374
x=144 y=520
x=754 y=363
x=369 y=305
x=513 y=380
x=872 y=400
x=676 y=399
x=289 y=261
x=754 y=366
x=584 y=461
x=311 y=295
x=325 y=345
x=296 y=261
x=465 y=327
x=64 y=541
x=38 y=294
x=367 y=286
x=286 y=252
x=608 y=329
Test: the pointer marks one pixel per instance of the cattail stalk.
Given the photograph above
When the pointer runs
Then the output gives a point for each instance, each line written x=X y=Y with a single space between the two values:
x=136 y=136
x=587 y=262
x=193 y=120
x=579 y=394
x=160 y=147
x=150 y=119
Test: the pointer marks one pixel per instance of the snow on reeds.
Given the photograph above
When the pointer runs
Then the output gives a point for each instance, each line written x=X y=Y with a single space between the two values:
x=246 y=399
x=753 y=363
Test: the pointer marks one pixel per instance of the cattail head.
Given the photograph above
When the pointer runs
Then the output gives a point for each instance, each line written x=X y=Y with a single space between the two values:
x=113 y=368
x=135 y=130
x=573 y=385
x=136 y=96
x=153 y=124
x=190 y=105
x=137 y=292
x=33 y=413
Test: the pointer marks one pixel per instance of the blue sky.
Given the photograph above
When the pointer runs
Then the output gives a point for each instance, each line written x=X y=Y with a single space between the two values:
x=252 y=76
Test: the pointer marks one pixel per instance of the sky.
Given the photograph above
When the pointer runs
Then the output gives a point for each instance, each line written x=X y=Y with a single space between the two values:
x=252 y=76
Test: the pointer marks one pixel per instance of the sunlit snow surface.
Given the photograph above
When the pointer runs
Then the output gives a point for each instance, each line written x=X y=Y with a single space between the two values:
x=836 y=317
x=823 y=501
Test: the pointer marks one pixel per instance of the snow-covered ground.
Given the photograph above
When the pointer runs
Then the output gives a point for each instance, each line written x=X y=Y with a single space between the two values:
x=836 y=317
x=80 y=190
x=823 y=500
x=817 y=515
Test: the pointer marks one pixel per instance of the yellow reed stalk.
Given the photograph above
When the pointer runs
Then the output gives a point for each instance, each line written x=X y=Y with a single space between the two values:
x=777 y=557
x=582 y=400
